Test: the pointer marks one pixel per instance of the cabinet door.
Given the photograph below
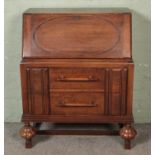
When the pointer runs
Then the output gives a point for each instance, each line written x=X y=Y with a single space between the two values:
x=118 y=78
x=37 y=90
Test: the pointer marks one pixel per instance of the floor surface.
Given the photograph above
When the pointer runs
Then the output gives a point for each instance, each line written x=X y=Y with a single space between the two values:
x=76 y=145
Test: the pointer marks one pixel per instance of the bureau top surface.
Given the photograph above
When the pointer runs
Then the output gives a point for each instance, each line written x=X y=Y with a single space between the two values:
x=77 y=33
x=76 y=10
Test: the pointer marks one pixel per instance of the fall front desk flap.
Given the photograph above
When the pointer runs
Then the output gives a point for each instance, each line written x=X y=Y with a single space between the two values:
x=76 y=34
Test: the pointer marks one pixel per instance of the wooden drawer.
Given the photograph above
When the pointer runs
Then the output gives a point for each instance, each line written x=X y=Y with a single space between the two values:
x=77 y=79
x=77 y=103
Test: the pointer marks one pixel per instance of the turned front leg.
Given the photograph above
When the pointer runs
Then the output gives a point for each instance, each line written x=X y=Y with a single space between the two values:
x=127 y=133
x=27 y=132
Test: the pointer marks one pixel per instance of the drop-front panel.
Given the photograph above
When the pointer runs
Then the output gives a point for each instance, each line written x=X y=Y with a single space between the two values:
x=77 y=35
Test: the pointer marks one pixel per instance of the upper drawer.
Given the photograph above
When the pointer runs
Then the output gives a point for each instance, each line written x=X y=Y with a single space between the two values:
x=77 y=79
x=77 y=35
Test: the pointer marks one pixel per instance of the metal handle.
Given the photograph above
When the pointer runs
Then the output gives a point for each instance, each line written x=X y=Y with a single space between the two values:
x=79 y=79
x=63 y=104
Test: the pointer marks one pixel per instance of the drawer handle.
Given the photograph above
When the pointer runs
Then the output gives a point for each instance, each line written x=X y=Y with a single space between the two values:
x=63 y=104
x=72 y=79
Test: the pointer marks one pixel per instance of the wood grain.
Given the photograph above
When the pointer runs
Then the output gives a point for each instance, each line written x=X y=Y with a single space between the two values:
x=77 y=67
x=77 y=35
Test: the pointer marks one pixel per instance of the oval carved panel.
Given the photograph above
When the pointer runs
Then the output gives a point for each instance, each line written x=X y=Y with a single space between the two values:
x=76 y=33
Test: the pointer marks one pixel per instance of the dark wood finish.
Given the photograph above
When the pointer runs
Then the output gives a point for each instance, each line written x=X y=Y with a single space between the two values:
x=77 y=68
x=37 y=81
x=78 y=132
x=77 y=103
x=77 y=78
x=78 y=118
x=86 y=35
x=117 y=91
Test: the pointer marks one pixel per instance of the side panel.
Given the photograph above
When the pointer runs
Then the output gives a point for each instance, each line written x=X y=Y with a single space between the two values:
x=118 y=91
x=35 y=90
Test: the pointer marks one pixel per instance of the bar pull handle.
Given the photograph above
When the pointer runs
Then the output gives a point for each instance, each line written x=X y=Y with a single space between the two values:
x=77 y=79
x=69 y=104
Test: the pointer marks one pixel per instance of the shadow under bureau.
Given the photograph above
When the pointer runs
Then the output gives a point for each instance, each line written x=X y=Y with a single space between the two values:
x=77 y=68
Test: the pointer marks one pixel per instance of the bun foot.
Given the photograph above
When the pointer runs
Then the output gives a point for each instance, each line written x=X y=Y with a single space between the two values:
x=27 y=132
x=127 y=133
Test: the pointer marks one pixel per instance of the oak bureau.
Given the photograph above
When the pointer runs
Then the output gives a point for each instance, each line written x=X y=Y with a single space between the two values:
x=77 y=67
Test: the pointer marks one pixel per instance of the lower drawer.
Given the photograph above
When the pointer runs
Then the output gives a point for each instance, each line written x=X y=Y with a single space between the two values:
x=77 y=103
